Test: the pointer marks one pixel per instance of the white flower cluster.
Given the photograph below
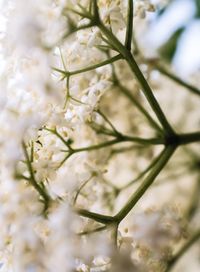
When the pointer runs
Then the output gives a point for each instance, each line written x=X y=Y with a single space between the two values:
x=72 y=139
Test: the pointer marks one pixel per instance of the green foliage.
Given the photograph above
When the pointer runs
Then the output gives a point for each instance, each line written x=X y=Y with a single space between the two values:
x=168 y=50
x=197 y=15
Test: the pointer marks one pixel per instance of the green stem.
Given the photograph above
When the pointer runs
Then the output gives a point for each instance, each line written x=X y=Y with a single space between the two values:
x=96 y=10
x=195 y=237
x=188 y=138
x=150 y=166
x=33 y=181
x=122 y=138
x=80 y=189
x=194 y=204
x=109 y=122
x=55 y=132
x=119 y=139
x=129 y=95
x=81 y=14
x=75 y=29
x=166 y=73
x=166 y=155
x=103 y=130
x=89 y=68
x=129 y=29
x=104 y=219
x=97 y=146
x=178 y=80
x=150 y=141
x=92 y=231
x=140 y=77
x=125 y=149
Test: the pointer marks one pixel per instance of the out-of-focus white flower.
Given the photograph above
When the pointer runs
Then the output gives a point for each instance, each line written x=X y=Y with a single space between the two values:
x=111 y=15
x=154 y=234
x=141 y=7
x=60 y=244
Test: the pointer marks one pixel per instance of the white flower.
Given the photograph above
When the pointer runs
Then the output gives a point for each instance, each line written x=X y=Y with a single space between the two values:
x=155 y=232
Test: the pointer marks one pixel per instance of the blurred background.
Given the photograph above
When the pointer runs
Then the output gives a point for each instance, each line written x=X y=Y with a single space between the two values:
x=174 y=31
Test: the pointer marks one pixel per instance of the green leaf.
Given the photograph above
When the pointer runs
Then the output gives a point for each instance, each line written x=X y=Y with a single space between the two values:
x=197 y=2
x=168 y=50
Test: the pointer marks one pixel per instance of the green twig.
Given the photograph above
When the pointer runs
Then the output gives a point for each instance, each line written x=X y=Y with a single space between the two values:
x=129 y=29
x=149 y=167
x=109 y=122
x=140 y=77
x=189 y=138
x=92 y=231
x=195 y=237
x=165 y=156
x=178 y=80
x=80 y=189
x=104 y=219
x=89 y=68
x=40 y=189
x=130 y=96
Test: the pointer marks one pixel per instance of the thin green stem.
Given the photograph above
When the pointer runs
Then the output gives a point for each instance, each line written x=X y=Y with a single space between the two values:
x=19 y=176
x=115 y=234
x=150 y=141
x=92 y=231
x=140 y=77
x=150 y=96
x=97 y=146
x=80 y=188
x=129 y=95
x=32 y=152
x=149 y=167
x=194 y=204
x=89 y=68
x=55 y=132
x=178 y=80
x=166 y=155
x=82 y=14
x=195 y=237
x=88 y=148
x=129 y=29
x=167 y=73
x=172 y=177
x=65 y=159
x=125 y=149
x=120 y=139
x=104 y=219
x=103 y=130
x=75 y=29
x=108 y=121
x=38 y=188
